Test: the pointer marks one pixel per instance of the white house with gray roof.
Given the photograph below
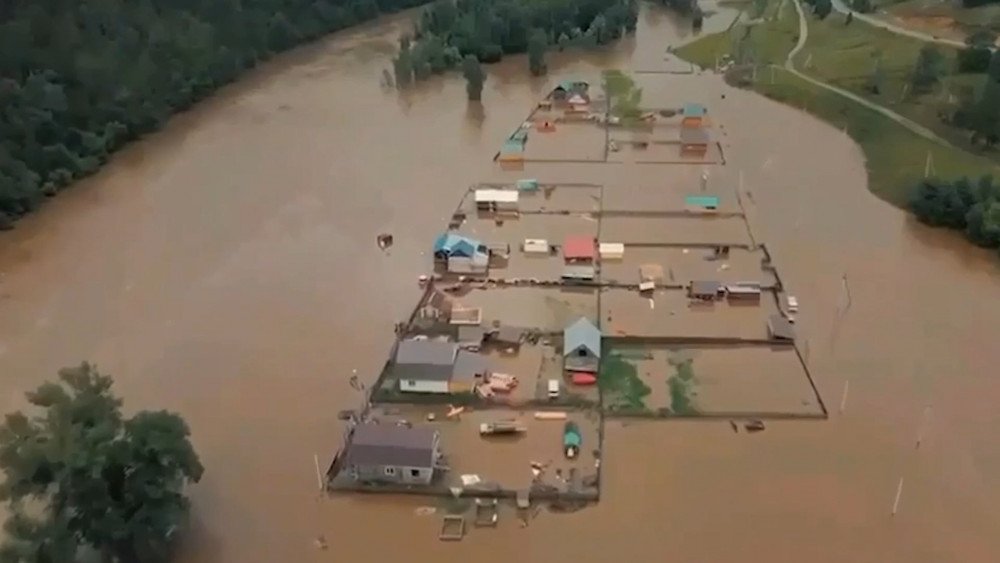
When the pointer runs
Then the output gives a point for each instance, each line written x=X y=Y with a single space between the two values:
x=390 y=453
x=436 y=366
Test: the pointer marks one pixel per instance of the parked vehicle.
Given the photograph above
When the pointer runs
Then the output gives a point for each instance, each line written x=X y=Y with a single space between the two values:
x=793 y=304
x=553 y=389
x=571 y=440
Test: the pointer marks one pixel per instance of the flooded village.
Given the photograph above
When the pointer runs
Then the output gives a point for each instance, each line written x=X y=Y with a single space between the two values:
x=551 y=307
x=227 y=269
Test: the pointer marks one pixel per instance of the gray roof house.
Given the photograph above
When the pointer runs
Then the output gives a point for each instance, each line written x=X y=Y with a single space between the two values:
x=779 y=328
x=389 y=453
x=424 y=366
x=705 y=289
x=581 y=346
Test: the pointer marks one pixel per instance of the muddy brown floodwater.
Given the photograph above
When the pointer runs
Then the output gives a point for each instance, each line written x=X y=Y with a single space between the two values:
x=227 y=269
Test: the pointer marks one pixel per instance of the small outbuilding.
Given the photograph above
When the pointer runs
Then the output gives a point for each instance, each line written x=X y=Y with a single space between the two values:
x=507 y=336
x=527 y=185
x=745 y=291
x=649 y=276
x=470 y=369
x=395 y=454
x=579 y=249
x=694 y=141
x=779 y=328
x=611 y=250
x=535 y=246
x=708 y=290
x=581 y=347
x=693 y=115
x=703 y=202
x=496 y=200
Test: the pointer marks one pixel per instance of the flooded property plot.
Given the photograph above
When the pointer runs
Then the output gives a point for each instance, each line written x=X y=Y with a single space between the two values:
x=722 y=381
x=681 y=266
x=545 y=309
x=668 y=194
x=672 y=313
x=629 y=149
x=573 y=141
x=576 y=198
x=486 y=463
x=701 y=229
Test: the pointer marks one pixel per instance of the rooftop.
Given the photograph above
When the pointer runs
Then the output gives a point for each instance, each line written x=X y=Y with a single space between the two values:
x=779 y=327
x=692 y=109
x=389 y=444
x=429 y=352
x=451 y=244
x=578 y=247
x=705 y=287
x=695 y=136
x=582 y=333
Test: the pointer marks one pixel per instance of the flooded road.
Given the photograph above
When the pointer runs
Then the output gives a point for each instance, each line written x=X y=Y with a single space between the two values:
x=227 y=269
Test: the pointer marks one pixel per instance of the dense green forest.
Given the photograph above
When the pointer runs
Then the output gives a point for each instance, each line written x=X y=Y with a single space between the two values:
x=79 y=78
x=488 y=29
x=965 y=205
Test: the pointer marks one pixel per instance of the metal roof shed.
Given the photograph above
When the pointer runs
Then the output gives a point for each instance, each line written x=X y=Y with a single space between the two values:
x=692 y=109
x=535 y=246
x=779 y=328
x=694 y=136
x=578 y=248
x=611 y=250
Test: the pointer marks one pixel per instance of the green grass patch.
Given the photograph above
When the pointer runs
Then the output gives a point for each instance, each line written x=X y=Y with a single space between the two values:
x=621 y=388
x=846 y=55
x=681 y=387
x=894 y=155
x=770 y=40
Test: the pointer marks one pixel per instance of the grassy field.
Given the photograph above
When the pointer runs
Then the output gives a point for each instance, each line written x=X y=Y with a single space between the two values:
x=845 y=56
x=842 y=55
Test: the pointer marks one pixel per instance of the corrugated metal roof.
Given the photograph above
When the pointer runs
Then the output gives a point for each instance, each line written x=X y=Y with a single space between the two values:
x=512 y=145
x=432 y=352
x=584 y=334
x=389 y=444
x=471 y=333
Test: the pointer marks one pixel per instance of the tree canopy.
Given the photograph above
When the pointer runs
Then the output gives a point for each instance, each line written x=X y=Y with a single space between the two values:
x=972 y=207
x=474 y=78
x=94 y=478
x=450 y=30
x=80 y=79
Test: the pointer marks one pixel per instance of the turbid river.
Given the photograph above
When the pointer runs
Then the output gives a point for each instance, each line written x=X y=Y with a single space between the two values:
x=227 y=269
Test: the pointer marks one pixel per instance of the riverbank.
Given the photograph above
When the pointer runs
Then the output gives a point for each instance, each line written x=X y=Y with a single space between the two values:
x=896 y=156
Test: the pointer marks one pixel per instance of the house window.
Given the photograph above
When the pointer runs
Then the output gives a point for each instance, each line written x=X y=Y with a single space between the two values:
x=582 y=352
x=411 y=383
x=390 y=471
x=414 y=473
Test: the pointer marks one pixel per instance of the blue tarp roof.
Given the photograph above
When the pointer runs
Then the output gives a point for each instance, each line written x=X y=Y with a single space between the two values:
x=584 y=334
x=451 y=244
x=694 y=110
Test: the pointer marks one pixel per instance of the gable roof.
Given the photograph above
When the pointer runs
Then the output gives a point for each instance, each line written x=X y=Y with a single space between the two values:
x=390 y=444
x=780 y=328
x=582 y=333
x=451 y=244
x=428 y=352
x=580 y=247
